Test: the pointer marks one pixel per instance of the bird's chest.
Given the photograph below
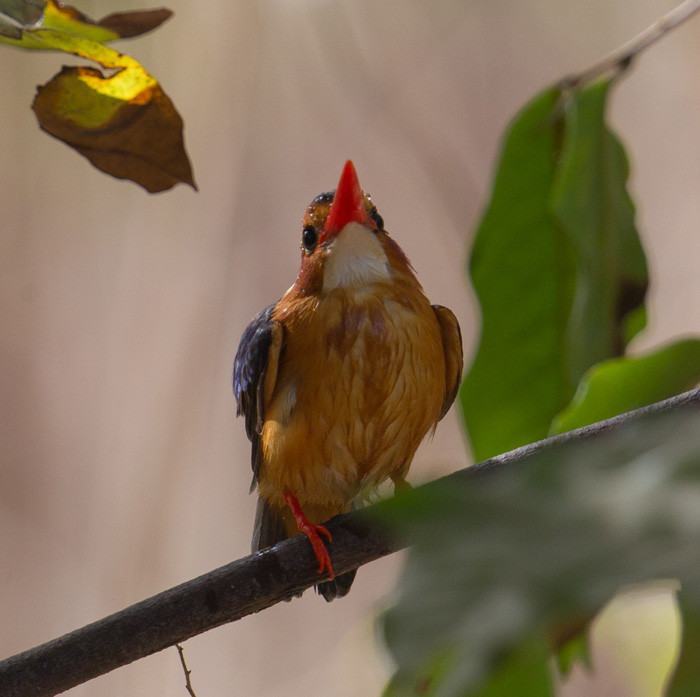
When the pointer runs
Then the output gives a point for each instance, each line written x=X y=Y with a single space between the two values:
x=358 y=386
x=339 y=364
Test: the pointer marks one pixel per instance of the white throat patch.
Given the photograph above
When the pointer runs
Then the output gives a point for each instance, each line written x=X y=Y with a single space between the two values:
x=354 y=259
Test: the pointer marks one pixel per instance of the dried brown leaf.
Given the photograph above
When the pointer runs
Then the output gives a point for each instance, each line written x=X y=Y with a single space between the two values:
x=139 y=139
x=128 y=24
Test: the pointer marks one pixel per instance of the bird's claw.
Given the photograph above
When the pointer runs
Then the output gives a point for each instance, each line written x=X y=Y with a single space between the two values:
x=313 y=532
x=324 y=558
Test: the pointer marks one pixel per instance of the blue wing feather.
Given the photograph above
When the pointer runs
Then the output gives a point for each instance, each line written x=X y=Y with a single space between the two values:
x=249 y=369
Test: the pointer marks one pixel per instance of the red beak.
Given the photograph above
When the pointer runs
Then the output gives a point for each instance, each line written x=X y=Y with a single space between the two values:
x=347 y=206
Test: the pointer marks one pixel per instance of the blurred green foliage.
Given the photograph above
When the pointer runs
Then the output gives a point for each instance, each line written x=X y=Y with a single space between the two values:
x=501 y=560
x=498 y=558
x=557 y=266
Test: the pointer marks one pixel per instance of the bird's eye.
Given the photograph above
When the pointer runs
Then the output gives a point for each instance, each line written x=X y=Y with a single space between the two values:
x=309 y=238
x=378 y=220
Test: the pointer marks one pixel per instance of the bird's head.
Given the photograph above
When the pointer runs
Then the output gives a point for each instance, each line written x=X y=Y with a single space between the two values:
x=343 y=241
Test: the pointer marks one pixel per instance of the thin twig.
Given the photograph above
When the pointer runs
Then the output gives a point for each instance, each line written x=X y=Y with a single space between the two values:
x=188 y=672
x=620 y=59
x=245 y=586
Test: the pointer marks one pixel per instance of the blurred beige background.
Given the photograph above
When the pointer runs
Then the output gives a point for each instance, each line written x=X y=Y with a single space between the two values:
x=122 y=468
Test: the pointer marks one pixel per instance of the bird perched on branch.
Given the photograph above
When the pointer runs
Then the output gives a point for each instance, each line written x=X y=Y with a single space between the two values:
x=340 y=380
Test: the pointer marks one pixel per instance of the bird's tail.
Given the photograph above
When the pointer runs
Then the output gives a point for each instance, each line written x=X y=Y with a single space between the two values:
x=269 y=529
x=338 y=587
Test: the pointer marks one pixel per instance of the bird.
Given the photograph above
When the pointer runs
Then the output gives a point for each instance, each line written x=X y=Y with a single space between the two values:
x=341 y=379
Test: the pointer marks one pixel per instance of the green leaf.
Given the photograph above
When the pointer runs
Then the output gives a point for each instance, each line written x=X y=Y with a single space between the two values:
x=575 y=650
x=523 y=672
x=686 y=680
x=591 y=203
x=557 y=266
x=523 y=274
x=497 y=555
x=421 y=685
x=622 y=384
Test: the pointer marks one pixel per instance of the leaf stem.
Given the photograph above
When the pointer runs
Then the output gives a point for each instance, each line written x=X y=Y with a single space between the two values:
x=620 y=59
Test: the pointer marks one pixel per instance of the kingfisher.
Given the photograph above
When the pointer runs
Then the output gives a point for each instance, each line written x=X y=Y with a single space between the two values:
x=340 y=380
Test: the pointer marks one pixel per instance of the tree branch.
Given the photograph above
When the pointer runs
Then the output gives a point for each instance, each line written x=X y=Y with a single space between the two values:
x=238 y=589
x=186 y=670
x=621 y=59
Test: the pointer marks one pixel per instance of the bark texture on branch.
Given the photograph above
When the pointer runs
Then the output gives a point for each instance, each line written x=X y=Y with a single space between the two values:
x=238 y=589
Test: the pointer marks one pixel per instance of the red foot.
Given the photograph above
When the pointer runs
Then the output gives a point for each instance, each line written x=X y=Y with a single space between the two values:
x=312 y=532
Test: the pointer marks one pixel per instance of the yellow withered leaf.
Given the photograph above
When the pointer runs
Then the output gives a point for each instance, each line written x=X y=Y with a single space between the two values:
x=118 y=117
x=19 y=18
x=138 y=139
x=117 y=25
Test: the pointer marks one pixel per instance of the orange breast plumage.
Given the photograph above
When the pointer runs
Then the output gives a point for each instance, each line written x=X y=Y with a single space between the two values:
x=360 y=381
